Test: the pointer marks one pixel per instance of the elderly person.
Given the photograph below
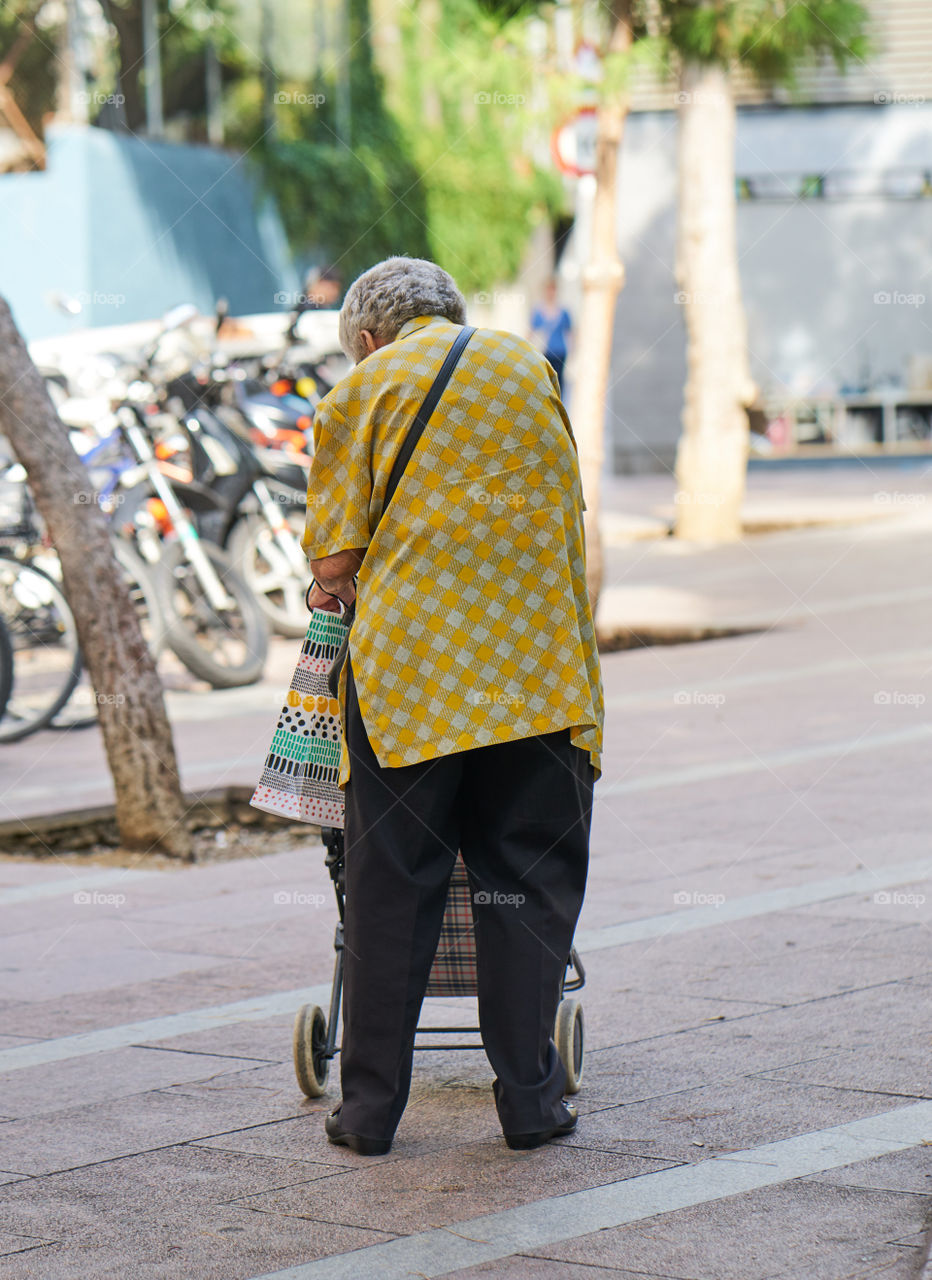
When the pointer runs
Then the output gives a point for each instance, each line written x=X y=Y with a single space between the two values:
x=471 y=701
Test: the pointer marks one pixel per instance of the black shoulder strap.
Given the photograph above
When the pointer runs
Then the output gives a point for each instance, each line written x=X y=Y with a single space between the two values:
x=425 y=413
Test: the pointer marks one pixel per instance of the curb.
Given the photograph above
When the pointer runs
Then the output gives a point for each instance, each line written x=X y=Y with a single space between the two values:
x=81 y=829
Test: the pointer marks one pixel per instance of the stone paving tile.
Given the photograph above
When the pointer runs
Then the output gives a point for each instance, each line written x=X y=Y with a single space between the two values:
x=12 y=1244
x=908 y=904
x=799 y=1043
x=268 y=1040
x=901 y=1171
x=432 y=1189
x=901 y=1067
x=195 y=989
x=797 y=1231
x=524 y=1267
x=297 y=1138
x=84 y=1203
x=118 y=1074
x=84 y=1135
x=204 y=1243
x=54 y=966
x=695 y=1124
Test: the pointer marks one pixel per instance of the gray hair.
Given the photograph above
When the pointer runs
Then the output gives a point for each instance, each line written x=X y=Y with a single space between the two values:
x=391 y=293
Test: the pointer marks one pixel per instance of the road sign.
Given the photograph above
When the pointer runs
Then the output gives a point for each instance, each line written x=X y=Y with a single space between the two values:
x=573 y=143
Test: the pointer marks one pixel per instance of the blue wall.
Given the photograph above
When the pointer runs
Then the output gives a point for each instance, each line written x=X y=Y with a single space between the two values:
x=132 y=228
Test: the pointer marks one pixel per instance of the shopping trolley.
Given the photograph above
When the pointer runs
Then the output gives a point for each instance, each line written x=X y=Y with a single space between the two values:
x=453 y=974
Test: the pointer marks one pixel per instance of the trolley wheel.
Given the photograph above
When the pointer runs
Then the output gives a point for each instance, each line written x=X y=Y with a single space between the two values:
x=311 y=1063
x=570 y=1041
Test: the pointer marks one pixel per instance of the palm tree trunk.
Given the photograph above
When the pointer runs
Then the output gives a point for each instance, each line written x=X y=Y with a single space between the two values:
x=136 y=732
x=602 y=280
x=712 y=455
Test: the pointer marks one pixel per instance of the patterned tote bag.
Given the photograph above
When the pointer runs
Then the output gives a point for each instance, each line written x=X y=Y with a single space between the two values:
x=300 y=776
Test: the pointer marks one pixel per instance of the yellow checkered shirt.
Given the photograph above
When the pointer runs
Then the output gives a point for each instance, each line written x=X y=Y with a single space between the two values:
x=473 y=625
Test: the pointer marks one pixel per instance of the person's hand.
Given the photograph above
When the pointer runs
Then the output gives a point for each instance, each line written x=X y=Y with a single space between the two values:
x=318 y=598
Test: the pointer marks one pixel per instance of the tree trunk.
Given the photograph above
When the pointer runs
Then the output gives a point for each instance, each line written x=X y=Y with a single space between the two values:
x=712 y=455
x=136 y=732
x=602 y=279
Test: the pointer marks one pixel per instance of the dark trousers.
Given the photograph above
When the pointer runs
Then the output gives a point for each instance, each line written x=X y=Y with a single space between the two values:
x=559 y=365
x=520 y=813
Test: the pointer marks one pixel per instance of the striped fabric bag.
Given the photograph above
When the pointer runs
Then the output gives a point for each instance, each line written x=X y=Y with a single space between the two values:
x=300 y=776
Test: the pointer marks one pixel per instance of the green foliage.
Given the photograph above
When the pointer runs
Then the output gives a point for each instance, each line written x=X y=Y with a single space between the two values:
x=346 y=208
x=34 y=81
x=771 y=38
x=465 y=97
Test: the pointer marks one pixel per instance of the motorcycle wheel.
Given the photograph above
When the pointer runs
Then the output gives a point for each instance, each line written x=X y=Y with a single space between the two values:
x=143 y=593
x=270 y=574
x=226 y=648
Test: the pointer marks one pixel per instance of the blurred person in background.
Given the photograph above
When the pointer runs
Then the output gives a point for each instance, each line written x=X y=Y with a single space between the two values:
x=551 y=328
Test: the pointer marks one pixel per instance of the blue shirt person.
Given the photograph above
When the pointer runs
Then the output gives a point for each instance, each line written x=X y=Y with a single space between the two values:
x=551 y=326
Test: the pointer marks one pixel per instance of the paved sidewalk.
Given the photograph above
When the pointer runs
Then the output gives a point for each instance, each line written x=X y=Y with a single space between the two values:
x=756 y=1101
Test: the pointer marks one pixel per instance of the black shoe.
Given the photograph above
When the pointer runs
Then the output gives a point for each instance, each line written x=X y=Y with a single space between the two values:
x=528 y=1141
x=341 y=1137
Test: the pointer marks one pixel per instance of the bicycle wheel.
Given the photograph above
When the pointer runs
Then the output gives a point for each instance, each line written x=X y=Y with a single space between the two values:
x=80 y=712
x=46 y=657
x=227 y=648
x=269 y=573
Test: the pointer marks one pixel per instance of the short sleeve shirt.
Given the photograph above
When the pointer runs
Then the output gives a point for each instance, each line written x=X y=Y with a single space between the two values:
x=473 y=624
